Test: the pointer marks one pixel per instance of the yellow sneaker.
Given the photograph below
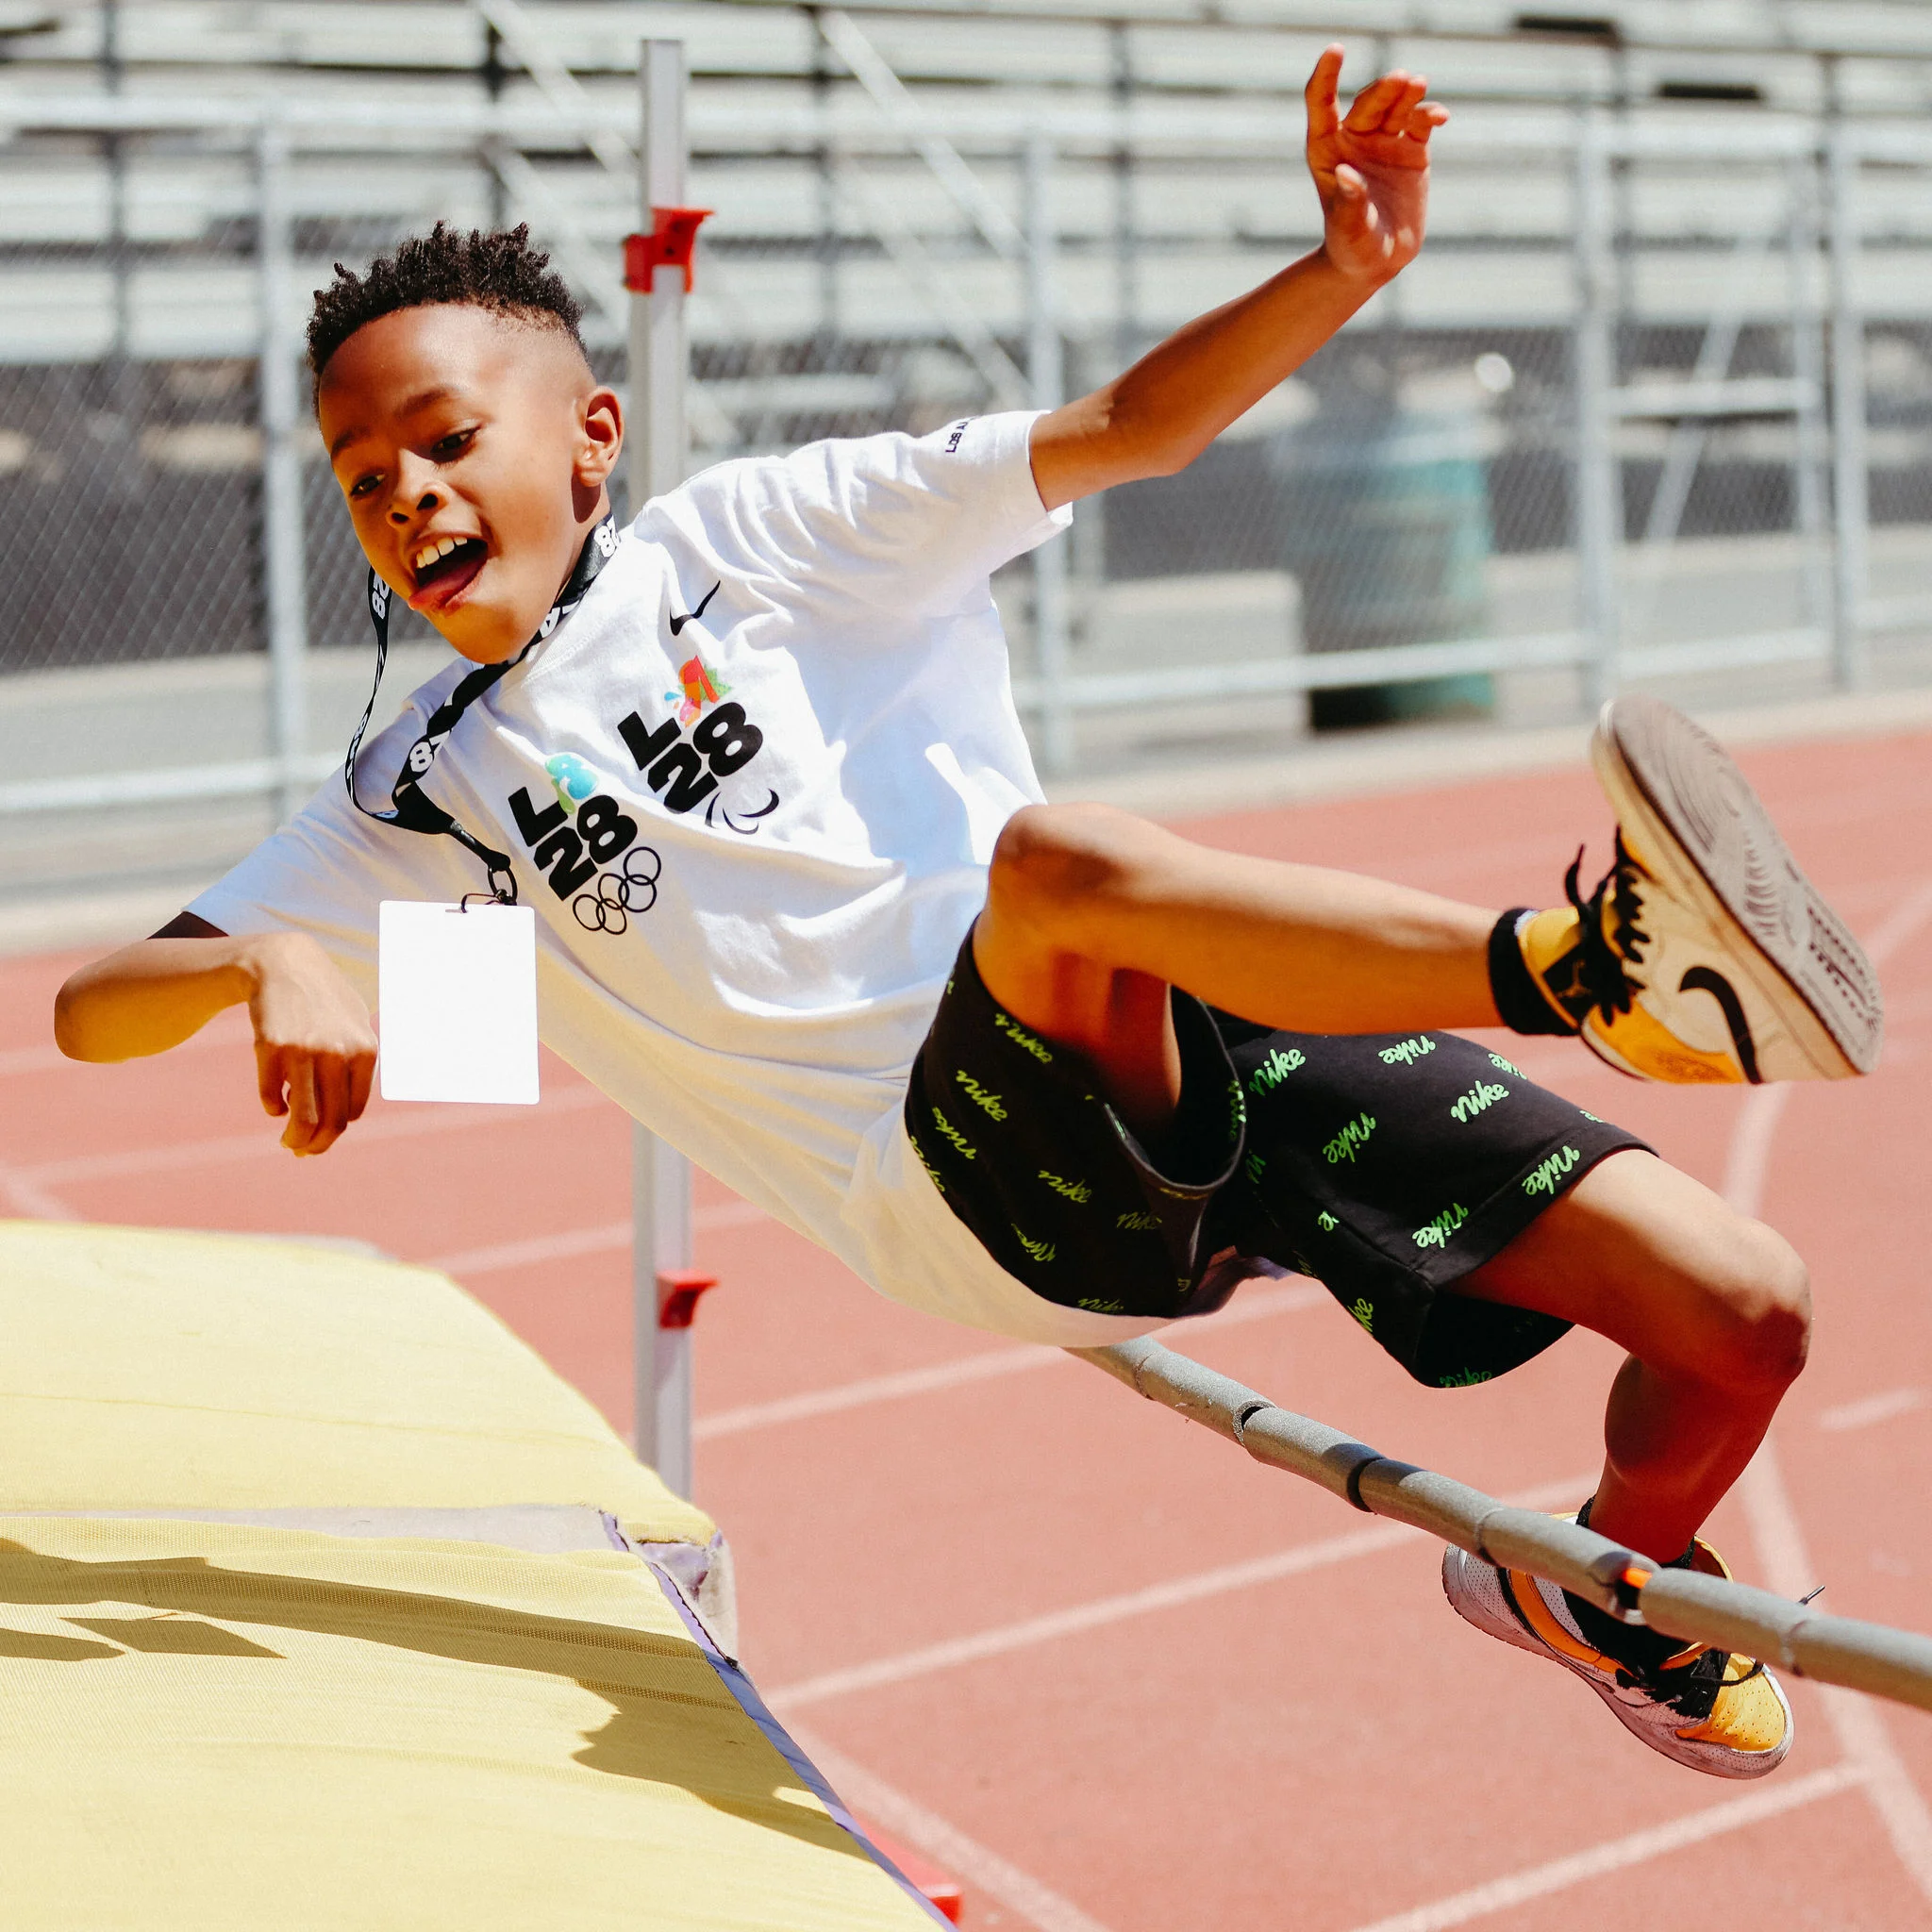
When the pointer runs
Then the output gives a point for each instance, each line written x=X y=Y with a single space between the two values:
x=1711 y=1710
x=1704 y=955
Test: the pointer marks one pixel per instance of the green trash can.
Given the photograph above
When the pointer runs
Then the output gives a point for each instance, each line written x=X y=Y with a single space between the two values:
x=1386 y=521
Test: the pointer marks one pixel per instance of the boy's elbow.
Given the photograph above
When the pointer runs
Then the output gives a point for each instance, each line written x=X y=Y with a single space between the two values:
x=84 y=1012
x=1169 y=456
x=70 y=1024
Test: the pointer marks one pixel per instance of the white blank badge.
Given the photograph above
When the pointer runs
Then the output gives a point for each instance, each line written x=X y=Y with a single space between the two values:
x=458 y=992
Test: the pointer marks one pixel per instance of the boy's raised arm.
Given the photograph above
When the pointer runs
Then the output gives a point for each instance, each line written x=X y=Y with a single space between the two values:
x=314 y=1047
x=1372 y=172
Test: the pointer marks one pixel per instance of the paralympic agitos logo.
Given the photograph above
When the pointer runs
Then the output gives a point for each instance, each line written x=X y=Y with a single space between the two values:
x=586 y=845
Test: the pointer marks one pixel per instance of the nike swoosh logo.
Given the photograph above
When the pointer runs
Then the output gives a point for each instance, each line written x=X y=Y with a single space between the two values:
x=1701 y=979
x=678 y=624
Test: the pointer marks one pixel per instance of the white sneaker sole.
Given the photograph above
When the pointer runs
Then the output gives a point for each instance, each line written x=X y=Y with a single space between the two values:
x=1694 y=821
x=1461 y=1586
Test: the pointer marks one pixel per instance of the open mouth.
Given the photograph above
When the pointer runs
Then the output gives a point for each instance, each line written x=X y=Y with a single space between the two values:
x=443 y=568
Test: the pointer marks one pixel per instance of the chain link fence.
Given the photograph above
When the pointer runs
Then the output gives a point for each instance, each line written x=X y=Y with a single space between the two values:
x=1652 y=406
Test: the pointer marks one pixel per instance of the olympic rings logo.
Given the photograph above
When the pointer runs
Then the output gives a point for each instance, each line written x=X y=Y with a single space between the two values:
x=633 y=888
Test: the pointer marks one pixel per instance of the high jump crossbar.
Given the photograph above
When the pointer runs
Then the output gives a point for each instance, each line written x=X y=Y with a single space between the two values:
x=1891 y=1663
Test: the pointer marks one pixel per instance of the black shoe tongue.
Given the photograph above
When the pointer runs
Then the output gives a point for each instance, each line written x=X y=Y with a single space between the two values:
x=1636 y=1646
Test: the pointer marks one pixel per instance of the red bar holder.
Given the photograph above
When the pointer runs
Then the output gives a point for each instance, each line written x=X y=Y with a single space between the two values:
x=940 y=1888
x=674 y=236
x=678 y=1290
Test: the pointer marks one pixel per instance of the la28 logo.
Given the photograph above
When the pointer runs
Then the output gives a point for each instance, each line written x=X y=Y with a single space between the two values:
x=571 y=853
x=685 y=770
x=600 y=839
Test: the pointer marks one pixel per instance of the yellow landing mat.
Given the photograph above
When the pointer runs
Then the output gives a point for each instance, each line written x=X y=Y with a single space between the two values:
x=144 y=1370
x=214 y=1727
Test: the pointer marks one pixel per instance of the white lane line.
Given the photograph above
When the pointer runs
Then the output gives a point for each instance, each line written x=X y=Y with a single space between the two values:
x=1748 y=1159
x=1078 y=1618
x=1857 y=1723
x=908 y=1382
x=573 y=1242
x=1901 y=923
x=1252 y=1305
x=27 y=1197
x=1618 y=1855
x=1873 y=1408
x=398 y=1126
x=962 y=1856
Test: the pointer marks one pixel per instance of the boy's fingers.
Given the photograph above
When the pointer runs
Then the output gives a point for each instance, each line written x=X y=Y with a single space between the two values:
x=302 y=1105
x=1425 y=119
x=1395 y=116
x=331 y=1095
x=268 y=1081
x=362 y=1079
x=1319 y=93
x=1365 y=116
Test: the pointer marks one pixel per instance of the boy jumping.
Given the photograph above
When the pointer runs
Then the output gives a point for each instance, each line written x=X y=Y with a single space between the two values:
x=1047 y=1069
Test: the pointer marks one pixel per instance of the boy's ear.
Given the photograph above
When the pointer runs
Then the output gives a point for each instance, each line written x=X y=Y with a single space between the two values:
x=600 y=440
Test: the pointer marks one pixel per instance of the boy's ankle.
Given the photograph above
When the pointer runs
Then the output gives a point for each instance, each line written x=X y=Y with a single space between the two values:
x=1634 y=1646
x=1536 y=973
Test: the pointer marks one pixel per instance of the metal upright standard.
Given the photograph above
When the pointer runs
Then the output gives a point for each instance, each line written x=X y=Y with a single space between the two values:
x=1598 y=507
x=284 y=569
x=1850 y=493
x=664 y=1289
x=1047 y=381
x=1810 y=431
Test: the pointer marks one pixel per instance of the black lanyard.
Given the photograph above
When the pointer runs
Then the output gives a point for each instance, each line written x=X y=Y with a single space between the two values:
x=411 y=811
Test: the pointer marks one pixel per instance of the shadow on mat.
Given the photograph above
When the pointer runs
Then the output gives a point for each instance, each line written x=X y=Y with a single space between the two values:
x=670 y=1711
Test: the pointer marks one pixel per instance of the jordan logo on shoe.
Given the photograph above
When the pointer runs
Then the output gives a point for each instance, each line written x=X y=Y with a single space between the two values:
x=678 y=624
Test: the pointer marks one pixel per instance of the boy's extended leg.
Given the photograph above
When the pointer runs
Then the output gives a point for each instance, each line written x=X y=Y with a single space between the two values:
x=1092 y=914
x=1715 y=1311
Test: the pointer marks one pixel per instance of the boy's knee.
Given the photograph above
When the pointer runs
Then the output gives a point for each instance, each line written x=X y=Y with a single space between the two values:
x=1054 y=858
x=1761 y=1308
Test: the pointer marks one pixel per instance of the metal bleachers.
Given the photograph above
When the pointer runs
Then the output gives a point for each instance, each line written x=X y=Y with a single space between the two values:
x=913 y=203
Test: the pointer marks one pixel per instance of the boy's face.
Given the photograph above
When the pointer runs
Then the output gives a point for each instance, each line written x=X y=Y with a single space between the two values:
x=473 y=450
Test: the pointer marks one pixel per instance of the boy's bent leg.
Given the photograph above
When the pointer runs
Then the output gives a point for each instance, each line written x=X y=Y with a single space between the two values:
x=1714 y=1309
x=1093 y=913
x=1703 y=955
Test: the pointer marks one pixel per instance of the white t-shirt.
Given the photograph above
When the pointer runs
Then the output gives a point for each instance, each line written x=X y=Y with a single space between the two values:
x=788 y=688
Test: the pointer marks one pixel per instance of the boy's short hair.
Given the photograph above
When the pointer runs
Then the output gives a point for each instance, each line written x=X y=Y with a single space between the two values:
x=499 y=272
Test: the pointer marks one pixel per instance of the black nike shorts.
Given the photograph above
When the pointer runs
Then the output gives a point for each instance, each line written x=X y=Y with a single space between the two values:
x=1385 y=1166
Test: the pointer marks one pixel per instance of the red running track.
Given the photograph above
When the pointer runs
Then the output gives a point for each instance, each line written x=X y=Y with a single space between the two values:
x=1112 y=1673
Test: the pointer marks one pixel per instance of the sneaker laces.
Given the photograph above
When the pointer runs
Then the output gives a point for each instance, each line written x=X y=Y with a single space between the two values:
x=1690 y=1690
x=1605 y=972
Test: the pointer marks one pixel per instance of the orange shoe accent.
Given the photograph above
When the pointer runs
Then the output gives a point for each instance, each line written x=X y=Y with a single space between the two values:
x=1641 y=1043
x=1543 y=1622
x=1747 y=1716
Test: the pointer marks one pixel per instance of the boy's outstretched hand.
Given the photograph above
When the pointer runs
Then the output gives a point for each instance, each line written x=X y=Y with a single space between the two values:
x=1371 y=168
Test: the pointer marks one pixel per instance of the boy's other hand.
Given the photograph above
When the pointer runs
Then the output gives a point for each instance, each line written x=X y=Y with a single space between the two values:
x=314 y=1047
x=1371 y=168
